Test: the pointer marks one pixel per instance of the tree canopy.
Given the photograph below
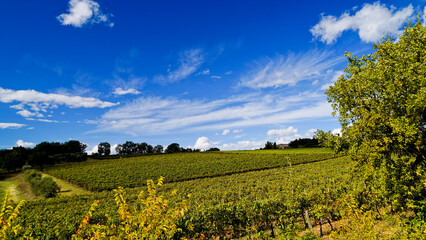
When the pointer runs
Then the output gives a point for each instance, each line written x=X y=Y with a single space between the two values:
x=381 y=103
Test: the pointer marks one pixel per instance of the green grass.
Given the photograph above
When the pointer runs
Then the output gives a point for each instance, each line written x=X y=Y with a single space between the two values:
x=67 y=189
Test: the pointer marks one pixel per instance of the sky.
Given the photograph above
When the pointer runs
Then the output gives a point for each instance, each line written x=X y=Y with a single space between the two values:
x=226 y=74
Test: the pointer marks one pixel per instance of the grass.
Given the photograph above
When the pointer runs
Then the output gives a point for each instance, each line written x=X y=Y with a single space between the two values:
x=67 y=189
x=17 y=187
x=20 y=190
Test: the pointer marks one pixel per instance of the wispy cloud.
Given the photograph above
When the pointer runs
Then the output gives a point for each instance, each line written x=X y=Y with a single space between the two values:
x=120 y=91
x=39 y=102
x=204 y=72
x=81 y=12
x=372 y=22
x=11 y=125
x=188 y=63
x=156 y=115
x=290 y=69
x=226 y=132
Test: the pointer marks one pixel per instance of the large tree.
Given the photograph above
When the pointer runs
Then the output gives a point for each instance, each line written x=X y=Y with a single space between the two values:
x=381 y=103
x=104 y=148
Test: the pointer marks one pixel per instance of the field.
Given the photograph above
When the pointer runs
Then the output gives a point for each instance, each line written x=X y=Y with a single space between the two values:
x=231 y=200
x=99 y=175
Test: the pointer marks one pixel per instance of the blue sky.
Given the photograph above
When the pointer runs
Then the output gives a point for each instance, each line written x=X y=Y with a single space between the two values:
x=227 y=74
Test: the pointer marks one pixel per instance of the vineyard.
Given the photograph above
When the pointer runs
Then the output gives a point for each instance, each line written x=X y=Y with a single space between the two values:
x=99 y=175
x=227 y=205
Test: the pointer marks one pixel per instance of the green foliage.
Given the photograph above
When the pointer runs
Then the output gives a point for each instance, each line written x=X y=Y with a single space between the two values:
x=152 y=218
x=41 y=186
x=104 y=148
x=304 y=143
x=329 y=140
x=9 y=214
x=231 y=205
x=133 y=172
x=381 y=106
x=270 y=145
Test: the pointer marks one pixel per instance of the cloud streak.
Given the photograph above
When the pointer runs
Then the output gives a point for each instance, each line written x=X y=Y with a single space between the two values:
x=289 y=70
x=188 y=63
x=372 y=22
x=11 y=125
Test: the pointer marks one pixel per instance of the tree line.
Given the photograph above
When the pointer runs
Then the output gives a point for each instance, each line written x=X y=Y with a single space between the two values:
x=296 y=143
x=129 y=147
x=45 y=153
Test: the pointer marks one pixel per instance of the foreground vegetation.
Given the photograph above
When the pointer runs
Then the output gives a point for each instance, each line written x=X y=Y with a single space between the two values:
x=221 y=206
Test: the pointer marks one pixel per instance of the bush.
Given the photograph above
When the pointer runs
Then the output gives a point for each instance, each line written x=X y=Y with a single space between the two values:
x=41 y=186
x=47 y=187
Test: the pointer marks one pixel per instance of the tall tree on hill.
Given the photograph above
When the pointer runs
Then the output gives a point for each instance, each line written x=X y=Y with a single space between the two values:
x=173 y=148
x=158 y=149
x=104 y=148
x=381 y=103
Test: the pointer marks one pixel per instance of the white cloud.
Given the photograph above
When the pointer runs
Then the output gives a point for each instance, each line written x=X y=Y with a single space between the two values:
x=282 y=132
x=290 y=69
x=337 y=131
x=25 y=113
x=94 y=150
x=40 y=102
x=424 y=16
x=11 y=125
x=310 y=132
x=204 y=143
x=189 y=62
x=372 y=22
x=226 y=132
x=113 y=151
x=237 y=131
x=215 y=77
x=120 y=91
x=21 y=143
x=243 y=145
x=81 y=12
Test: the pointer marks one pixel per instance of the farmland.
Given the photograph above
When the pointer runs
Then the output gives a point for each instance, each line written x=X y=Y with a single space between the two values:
x=99 y=175
x=218 y=197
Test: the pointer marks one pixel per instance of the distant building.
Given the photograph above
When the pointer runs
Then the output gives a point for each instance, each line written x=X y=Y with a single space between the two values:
x=283 y=146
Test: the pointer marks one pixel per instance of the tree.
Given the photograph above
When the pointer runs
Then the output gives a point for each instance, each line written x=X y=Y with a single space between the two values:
x=381 y=102
x=74 y=146
x=270 y=145
x=214 y=149
x=158 y=149
x=104 y=148
x=173 y=148
x=303 y=142
x=129 y=147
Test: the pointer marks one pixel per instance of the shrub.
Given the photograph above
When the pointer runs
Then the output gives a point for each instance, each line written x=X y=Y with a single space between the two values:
x=41 y=186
